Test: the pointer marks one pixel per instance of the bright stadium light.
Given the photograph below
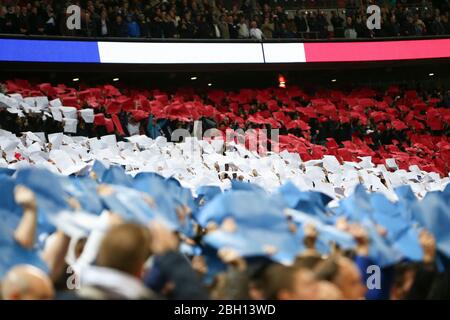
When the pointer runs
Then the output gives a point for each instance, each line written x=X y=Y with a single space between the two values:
x=209 y=84
x=281 y=81
x=75 y=79
x=193 y=78
x=116 y=79
x=431 y=74
x=333 y=80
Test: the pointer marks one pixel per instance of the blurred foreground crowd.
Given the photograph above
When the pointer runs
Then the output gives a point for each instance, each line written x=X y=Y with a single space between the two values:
x=122 y=259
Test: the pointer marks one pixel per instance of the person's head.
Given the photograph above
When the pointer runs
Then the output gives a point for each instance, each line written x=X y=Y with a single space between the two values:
x=26 y=282
x=125 y=248
x=328 y=291
x=253 y=24
x=119 y=19
x=289 y=283
x=91 y=8
x=307 y=262
x=404 y=276
x=344 y=273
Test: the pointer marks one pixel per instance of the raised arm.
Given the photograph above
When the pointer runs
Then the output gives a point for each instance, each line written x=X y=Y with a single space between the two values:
x=26 y=230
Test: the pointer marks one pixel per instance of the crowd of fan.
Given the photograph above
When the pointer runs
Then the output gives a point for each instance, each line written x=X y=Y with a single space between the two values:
x=127 y=260
x=204 y=19
x=366 y=121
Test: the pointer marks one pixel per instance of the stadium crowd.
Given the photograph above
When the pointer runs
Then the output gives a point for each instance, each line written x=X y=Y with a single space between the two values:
x=408 y=125
x=105 y=235
x=84 y=216
x=196 y=19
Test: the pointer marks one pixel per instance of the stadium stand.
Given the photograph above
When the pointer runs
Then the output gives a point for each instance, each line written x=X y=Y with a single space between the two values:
x=408 y=126
x=250 y=19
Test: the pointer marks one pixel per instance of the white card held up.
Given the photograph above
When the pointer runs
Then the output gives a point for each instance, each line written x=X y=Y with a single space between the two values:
x=87 y=115
x=56 y=114
x=70 y=125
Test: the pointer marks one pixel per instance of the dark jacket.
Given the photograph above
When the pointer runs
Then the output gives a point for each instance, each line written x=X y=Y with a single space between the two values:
x=174 y=268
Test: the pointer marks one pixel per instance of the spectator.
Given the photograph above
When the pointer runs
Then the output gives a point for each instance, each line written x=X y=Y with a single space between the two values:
x=312 y=23
x=216 y=30
x=420 y=26
x=2 y=19
x=24 y=26
x=203 y=28
x=119 y=268
x=280 y=14
x=322 y=25
x=50 y=22
x=168 y=25
x=408 y=28
x=284 y=32
x=300 y=22
x=361 y=28
x=289 y=283
x=243 y=32
x=133 y=27
x=24 y=282
x=345 y=275
x=105 y=28
x=349 y=29
x=11 y=24
x=186 y=28
x=232 y=27
x=445 y=23
x=437 y=26
x=223 y=27
x=268 y=28
x=255 y=32
x=119 y=28
x=90 y=28
x=156 y=24
x=393 y=27
x=338 y=23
